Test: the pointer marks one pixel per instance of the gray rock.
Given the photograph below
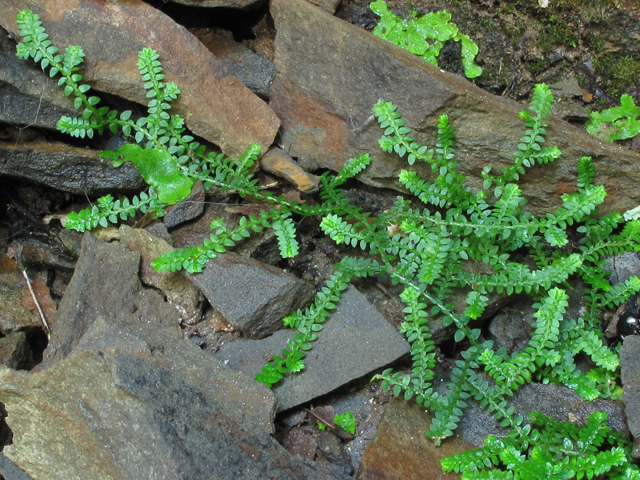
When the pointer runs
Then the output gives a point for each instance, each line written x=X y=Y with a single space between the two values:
x=215 y=105
x=630 y=373
x=325 y=103
x=253 y=297
x=137 y=400
x=254 y=71
x=355 y=341
x=70 y=169
x=15 y=352
x=134 y=416
x=27 y=97
x=328 y=5
x=188 y=209
x=561 y=403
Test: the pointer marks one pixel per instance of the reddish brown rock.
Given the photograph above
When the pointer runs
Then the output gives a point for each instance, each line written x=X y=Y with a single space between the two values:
x=402 y=450
x=324 y=97
x=214 y=104
x=280 y=163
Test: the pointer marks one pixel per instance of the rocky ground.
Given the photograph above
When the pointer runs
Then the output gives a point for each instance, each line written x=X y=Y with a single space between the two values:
x=145 y=375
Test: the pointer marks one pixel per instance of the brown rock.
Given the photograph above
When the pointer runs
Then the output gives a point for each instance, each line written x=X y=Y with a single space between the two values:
x=328 y=5
x=280 y=163
x=402 y=450
x=325 y=99
x=178 y=289
x=215 y=105
x=14 y=314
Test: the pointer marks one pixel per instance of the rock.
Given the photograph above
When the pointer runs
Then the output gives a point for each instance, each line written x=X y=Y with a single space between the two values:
x=15 y=352
x=623 y=266
x=253 y=297
x=11 y=471
x=89 y=294
x=137 y=397
x=27 y=96
x=15 y=314
x=215 y=106
x=328 y=5
x=216 y=3
x=176 y=287
x=254 y=71
x=188 y=209
x=355 y=341
x=280 y=163
x=70 y=169
x=325 y=103
x=133 y=417
x=568 y=100
x=401 y=449
x=630 y=373
x=563 y=404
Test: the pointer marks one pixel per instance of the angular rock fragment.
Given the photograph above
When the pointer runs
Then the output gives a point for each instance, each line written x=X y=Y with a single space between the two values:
x=328 y=5
x=137 y=400
x=15 y=352
x=215 y=105
x=630 y=372
x=188 y=209
x=254 y=71
x=325 y=99
x=253 y=297
x=402 y=450
x=280 y=163
x=355 y=341
x=15 y=314
x=177 y=288
x=27 y=97
x=70 y=169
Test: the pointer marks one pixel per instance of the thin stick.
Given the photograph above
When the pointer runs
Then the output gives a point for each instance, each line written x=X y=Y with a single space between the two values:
x=35 y=300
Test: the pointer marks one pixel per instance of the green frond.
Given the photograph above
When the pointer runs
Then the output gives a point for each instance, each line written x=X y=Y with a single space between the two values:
x=285 y=231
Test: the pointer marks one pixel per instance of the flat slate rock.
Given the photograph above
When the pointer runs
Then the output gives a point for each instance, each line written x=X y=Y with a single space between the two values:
x=355 y=341
x=65 y=168
x=330 y=74
x=630 y=373
x=214 y=104
x=253 y=297
x=133 y=398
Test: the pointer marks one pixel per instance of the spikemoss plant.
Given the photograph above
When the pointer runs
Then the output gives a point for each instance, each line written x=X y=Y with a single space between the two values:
x=430 y=258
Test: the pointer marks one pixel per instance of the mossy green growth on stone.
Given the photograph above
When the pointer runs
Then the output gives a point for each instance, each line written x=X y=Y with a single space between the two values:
x=425 y=35
x=617 y=123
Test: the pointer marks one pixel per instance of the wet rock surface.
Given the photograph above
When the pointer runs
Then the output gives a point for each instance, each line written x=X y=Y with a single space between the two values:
x=355 y=341
x=70 y=169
